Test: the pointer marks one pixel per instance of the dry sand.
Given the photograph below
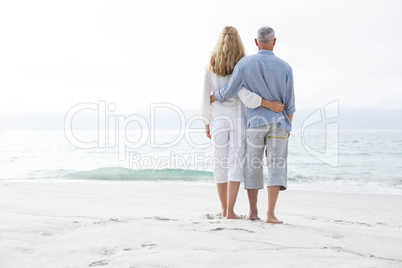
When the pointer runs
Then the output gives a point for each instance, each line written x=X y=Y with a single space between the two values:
x=133 y=224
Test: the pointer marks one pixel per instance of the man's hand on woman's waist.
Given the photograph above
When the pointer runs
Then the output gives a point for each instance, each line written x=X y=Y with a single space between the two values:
x=212 y=98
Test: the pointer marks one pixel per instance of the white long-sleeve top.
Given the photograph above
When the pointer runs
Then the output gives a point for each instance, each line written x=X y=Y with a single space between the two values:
x=233 y=107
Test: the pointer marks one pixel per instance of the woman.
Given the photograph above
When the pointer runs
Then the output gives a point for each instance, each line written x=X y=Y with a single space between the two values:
x=227 y=129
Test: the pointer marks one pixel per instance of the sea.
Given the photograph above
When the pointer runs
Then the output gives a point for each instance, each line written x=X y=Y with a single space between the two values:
x=337 y=160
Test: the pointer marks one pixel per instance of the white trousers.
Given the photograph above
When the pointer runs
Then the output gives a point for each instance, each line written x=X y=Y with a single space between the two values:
x=228 y=140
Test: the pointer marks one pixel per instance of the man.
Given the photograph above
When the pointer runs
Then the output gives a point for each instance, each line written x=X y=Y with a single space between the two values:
x=272 y=79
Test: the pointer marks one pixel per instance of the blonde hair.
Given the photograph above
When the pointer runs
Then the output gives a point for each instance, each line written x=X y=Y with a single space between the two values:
x=227 y=52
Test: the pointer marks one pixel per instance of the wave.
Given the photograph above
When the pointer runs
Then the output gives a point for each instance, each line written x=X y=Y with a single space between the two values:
x=336 y=182
x=125 y=174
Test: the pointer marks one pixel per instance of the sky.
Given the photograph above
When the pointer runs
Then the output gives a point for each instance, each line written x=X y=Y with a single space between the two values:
x=57 y=54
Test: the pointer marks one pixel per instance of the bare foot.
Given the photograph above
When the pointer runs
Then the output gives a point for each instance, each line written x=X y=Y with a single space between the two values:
x=224 y=212
x=253 y=215
x=232 y=215
x=273 y=219
x=221 y=214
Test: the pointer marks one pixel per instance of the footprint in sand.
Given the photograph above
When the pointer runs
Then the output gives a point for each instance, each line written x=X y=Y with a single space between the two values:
x=107 y=251
x=159 y=218
x=129 y=249
x=45 y=233
x=148 y=245
x=99 y=263
x=210 y=216
x=234 y=229
x=102 y=221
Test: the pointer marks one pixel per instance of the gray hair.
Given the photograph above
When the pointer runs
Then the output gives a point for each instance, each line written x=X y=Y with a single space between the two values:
x=265 y=34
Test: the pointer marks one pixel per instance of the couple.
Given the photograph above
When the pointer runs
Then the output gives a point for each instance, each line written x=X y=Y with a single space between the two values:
x=248 y=106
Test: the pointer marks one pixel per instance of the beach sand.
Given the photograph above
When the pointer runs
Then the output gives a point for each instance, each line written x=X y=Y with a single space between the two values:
x=133 y=224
